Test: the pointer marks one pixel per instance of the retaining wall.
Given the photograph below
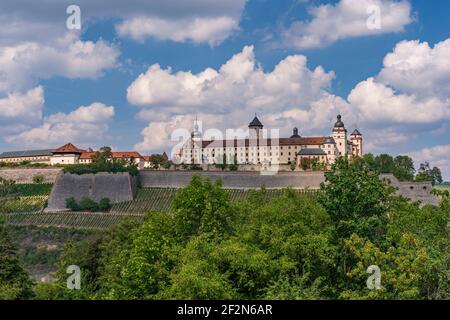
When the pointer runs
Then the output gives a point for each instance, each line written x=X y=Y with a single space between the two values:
x=234 y=180
x=26 y=175
x=117 y=187
x=416 y=191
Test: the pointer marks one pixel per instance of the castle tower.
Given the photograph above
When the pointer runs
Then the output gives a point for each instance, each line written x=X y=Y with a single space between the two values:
x=196 y=145
x=255 y=128
x=295 y=133
x=357 y=141
x=340 y=136
x=196 y=135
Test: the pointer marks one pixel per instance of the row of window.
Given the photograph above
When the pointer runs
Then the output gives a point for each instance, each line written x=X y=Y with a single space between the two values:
x=261 y=147
x=46 y=158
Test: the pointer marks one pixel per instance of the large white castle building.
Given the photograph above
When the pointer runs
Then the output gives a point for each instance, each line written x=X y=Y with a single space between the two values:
x=257 y=149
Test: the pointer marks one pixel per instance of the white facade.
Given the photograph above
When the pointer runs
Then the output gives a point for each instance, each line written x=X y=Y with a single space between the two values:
x=64 y=159
x=257 y=150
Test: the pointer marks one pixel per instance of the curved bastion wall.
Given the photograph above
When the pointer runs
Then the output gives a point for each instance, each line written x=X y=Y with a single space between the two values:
x=115 y=186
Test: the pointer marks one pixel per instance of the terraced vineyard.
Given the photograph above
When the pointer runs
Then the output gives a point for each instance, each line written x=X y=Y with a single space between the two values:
x=27 y=190
x=157 y=199
x=160 y=199
x=78 y=220
x=24 y=204
x=27 y=210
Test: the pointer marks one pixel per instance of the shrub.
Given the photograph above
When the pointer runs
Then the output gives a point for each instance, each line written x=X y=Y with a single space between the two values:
x=196 y=167
x=104 y=204
x=88 y=204
x=72 y=204
x=167 y=164
x=114 y=166
x=38 y=178
x=7 y=187
x=292 y=166
x=305 y=163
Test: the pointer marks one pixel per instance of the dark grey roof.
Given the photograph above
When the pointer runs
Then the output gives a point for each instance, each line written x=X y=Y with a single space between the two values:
x=255 y=123
x=311 y=152
x=356 y=132
x=295 y=133
x=339 y=123
x=26 y=153
x=329 y=140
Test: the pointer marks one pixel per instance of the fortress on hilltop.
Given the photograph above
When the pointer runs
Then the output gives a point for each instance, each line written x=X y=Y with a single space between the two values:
x=258 y=150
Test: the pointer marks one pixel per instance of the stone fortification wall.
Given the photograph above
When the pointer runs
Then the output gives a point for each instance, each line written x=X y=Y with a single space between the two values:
x=117 y=187
x=416 y=191
x=26 y=175
x=234 y=180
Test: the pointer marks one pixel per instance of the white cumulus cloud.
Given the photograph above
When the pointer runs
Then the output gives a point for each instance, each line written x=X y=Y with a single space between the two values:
x=198 y=30
x=22 y=108
x=437 y=156
x=416 y=68
x=86 y=124
x=377 y=102
x=346 y=19
x=26 y=63
x=289 y=95
x=199 y=21
x=240 y=83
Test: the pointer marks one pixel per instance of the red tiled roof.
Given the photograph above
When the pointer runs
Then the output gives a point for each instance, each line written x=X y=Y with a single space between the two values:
x=127 y=154
x=115 y=155
x=265 y=142
x=87 y=155
x=68 y=148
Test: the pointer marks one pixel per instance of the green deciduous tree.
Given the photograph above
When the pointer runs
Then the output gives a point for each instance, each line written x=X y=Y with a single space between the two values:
x=385 y=163
x=355 y=198
x=284 y=246
x=404 y=168
x=202 y=207
x=150 y=258
x=426 y=173
x=15 y=282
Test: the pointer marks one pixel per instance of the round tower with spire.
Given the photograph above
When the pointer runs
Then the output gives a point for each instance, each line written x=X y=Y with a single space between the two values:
x=340 y=136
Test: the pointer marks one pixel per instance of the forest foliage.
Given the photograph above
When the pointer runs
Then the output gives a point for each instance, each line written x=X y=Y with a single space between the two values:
x=292 y=246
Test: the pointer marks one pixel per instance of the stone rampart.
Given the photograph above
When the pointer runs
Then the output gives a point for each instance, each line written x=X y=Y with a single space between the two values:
x=26 y=175
x=115 y=186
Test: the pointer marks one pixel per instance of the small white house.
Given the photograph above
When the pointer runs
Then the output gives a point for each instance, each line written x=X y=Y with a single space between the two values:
x=67 y=154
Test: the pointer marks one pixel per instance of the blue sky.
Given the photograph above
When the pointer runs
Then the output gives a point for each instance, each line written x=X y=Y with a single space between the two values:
x=110 y=83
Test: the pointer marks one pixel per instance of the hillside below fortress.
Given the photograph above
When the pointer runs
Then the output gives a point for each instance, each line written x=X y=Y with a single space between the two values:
x=416 y=191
